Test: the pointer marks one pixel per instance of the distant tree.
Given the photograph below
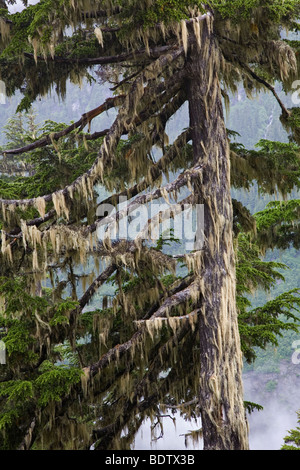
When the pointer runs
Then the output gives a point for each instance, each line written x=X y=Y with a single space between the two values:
x=292 y=440
x=166 y=339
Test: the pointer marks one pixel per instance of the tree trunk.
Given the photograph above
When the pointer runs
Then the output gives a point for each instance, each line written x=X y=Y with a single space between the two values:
x=221 y=390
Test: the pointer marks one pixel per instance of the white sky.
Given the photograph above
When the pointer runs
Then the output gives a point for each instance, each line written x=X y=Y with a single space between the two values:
x=19 y=6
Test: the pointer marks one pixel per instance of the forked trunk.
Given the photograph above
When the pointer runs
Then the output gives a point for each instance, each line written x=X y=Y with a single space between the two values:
x=221 y=390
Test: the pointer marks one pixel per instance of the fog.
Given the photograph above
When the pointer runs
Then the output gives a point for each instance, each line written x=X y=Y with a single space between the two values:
x=267 y=431
x=278 y=393
x=173 y=437
x=269 y=427
x=18 y=6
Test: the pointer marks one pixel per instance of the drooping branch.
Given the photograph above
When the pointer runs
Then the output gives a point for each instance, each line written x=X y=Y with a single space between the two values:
x=147 y=53
x=154 y=173
x=120 y=350
x=70 y=239
x=123 y=123
x=54 y=335
x=261 y=80
x=177 y=286
x=169 y=320
x=190 y=293
x=111 y=140
x=85 y=119
x=33 y=222
x=135 y=404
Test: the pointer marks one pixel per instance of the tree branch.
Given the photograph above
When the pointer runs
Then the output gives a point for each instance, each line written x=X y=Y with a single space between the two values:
x=285 y=112
x=120 y=349
x=84 y=300
x=134 y=405
x=85 y=119
x=122 y=123
x=143 y=199
x=154 y=53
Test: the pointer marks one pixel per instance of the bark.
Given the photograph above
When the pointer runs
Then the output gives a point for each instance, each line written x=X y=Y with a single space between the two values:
x=221 y=391
x=123 y=122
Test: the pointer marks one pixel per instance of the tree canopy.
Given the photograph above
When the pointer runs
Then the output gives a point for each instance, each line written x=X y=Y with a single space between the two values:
x=102 y=330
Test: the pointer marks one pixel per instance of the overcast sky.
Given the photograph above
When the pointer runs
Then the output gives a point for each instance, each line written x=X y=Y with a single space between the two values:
x=19 y=5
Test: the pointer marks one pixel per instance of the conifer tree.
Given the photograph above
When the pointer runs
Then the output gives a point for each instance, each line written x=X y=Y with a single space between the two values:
x=292 y=440
x=95 y=371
